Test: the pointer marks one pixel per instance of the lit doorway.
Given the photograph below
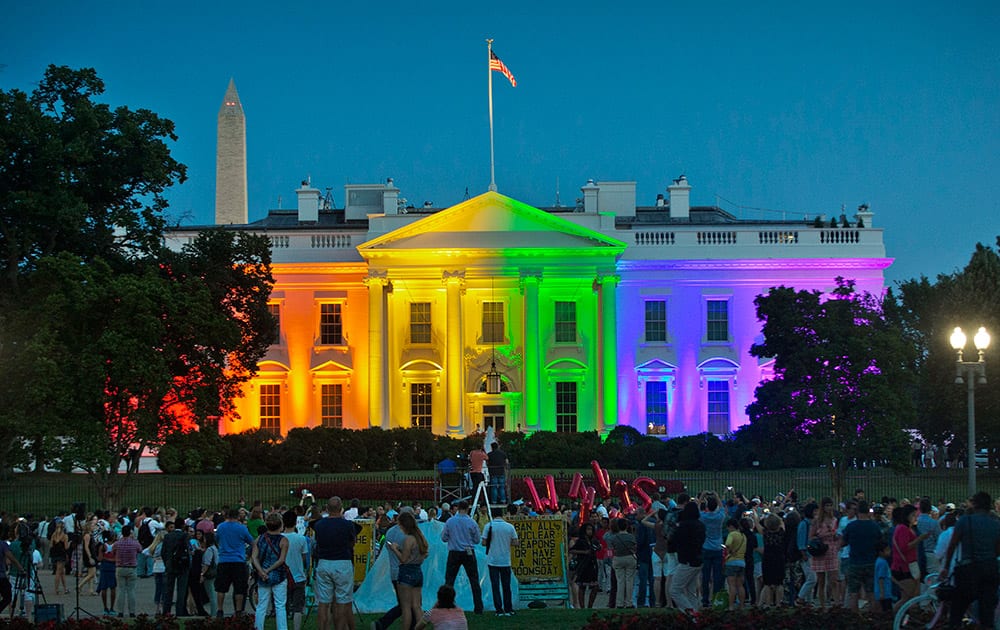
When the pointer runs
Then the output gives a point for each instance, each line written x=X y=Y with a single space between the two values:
x=494 y=416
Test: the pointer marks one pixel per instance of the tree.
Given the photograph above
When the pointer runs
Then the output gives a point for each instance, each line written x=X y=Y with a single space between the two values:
x=111 y=341
x=841 y=379
x=968 y=298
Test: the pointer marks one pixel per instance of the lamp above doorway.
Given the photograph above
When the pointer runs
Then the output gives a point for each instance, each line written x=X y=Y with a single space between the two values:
x=493 y=378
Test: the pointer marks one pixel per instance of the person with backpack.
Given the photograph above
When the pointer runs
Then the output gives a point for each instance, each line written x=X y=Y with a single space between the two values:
x=268 y=559
x=176 y=554
x=144 y=535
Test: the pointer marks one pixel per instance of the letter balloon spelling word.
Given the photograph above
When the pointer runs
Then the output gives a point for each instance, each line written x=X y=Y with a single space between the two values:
x=602 y=478
x=551 y=502
x=536 y=501
x=586 y=504
x=550 y=484
x=576 y=486
x=621 y=489
x=637 y=486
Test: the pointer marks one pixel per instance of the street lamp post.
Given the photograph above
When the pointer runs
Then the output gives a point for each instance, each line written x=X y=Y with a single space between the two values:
x=971 y=372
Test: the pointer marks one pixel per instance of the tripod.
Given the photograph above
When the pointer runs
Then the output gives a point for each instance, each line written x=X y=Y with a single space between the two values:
x=77 y=565
x=27 y=583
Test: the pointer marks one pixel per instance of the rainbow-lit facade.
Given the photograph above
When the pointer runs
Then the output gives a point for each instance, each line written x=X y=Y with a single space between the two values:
x=597 y=315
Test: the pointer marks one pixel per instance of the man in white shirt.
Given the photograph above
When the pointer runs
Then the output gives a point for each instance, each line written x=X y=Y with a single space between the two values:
x=352 y=512
x=297 y=561
x=499 y=536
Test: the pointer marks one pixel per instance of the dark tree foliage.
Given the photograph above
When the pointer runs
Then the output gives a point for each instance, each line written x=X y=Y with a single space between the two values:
x=841 y=390
x=968 y=298
x=111 y=342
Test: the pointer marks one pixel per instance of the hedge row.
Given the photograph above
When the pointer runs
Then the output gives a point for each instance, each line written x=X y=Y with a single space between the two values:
x=322 y=450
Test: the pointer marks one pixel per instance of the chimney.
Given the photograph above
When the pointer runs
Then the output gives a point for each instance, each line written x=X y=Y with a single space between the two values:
x=864 y=215
x=590 y=197
x=308 y=202
x=680 y=198
x=390 y=198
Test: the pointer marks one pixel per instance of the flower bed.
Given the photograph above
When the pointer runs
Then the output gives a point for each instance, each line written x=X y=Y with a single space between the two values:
x=748 y=619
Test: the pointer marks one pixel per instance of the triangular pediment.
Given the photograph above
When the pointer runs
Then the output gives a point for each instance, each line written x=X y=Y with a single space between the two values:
x=493 y=222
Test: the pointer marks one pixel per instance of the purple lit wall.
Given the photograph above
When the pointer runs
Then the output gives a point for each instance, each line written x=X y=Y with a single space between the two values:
x=689 y=360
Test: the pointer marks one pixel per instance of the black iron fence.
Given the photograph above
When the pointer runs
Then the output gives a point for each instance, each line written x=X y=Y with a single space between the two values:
x=46 y=494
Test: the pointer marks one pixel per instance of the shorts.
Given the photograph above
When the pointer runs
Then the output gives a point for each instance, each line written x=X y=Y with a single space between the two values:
x=859 y=575
x=296 y=601
x=334 y=581
x=411 y=575
x=735 y=571
x=899 y=576
x=666 y=566
x=845 y=564
x=234 y=574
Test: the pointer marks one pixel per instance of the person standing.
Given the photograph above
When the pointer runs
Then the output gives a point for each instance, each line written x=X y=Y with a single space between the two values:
x=59 y=553
x=714 y=518
x=477 y=458
x=622 y=543
x=498 y=537
x=688 y=542
x=268 y=559
x=496 y=463
x=462 y=535
x=861 y=538
x=411 y=554
x=127 y=551
x=6 y=556
x=297 y=561
x=396 y=536
x=209 y=569
x=976 y=576
x=335 y=538
x=232 y=538
x=176 y=553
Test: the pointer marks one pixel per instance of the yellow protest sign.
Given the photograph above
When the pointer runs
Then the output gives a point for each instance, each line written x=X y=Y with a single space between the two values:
x=538 y=555
x=363 y=546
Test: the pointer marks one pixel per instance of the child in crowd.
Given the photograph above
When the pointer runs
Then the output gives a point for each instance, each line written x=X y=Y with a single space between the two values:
x=883 y=579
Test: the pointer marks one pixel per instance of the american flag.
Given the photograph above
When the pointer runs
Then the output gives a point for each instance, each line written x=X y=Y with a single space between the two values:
x=496 y=64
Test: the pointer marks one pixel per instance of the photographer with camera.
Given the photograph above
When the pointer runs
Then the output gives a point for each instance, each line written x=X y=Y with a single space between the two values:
x=713 y=516
x=6 y=556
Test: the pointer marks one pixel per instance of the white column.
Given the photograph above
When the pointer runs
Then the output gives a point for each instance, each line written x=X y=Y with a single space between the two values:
x=532 y=355
x=378 y=415
x=608 y=352
x=455 y=364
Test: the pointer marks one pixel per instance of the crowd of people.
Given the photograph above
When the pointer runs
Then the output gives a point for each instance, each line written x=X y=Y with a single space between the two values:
x=685 y=551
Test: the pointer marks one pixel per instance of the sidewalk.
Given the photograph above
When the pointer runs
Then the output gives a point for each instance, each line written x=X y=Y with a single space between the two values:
x=92 y=603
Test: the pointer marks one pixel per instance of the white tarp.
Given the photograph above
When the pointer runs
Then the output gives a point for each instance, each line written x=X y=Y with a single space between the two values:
x=377 y=595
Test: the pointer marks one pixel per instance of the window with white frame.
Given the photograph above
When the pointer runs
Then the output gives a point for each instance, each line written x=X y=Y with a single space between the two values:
x=331 y=324
x=566 y=407
x=274 y=309
x=717 y=320
x=718 y=407
x=332 y=405
x=420 y=322
x=656 y=321
x=421 y=405
x=270 y=408
x=565 y=322
x=656 y=408
x=493 y=329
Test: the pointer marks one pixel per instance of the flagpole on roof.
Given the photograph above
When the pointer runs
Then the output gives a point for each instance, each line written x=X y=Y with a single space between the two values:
x=489 y=73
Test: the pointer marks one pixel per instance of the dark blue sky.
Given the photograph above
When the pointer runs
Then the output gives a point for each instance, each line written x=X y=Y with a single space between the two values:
x=793 y=108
